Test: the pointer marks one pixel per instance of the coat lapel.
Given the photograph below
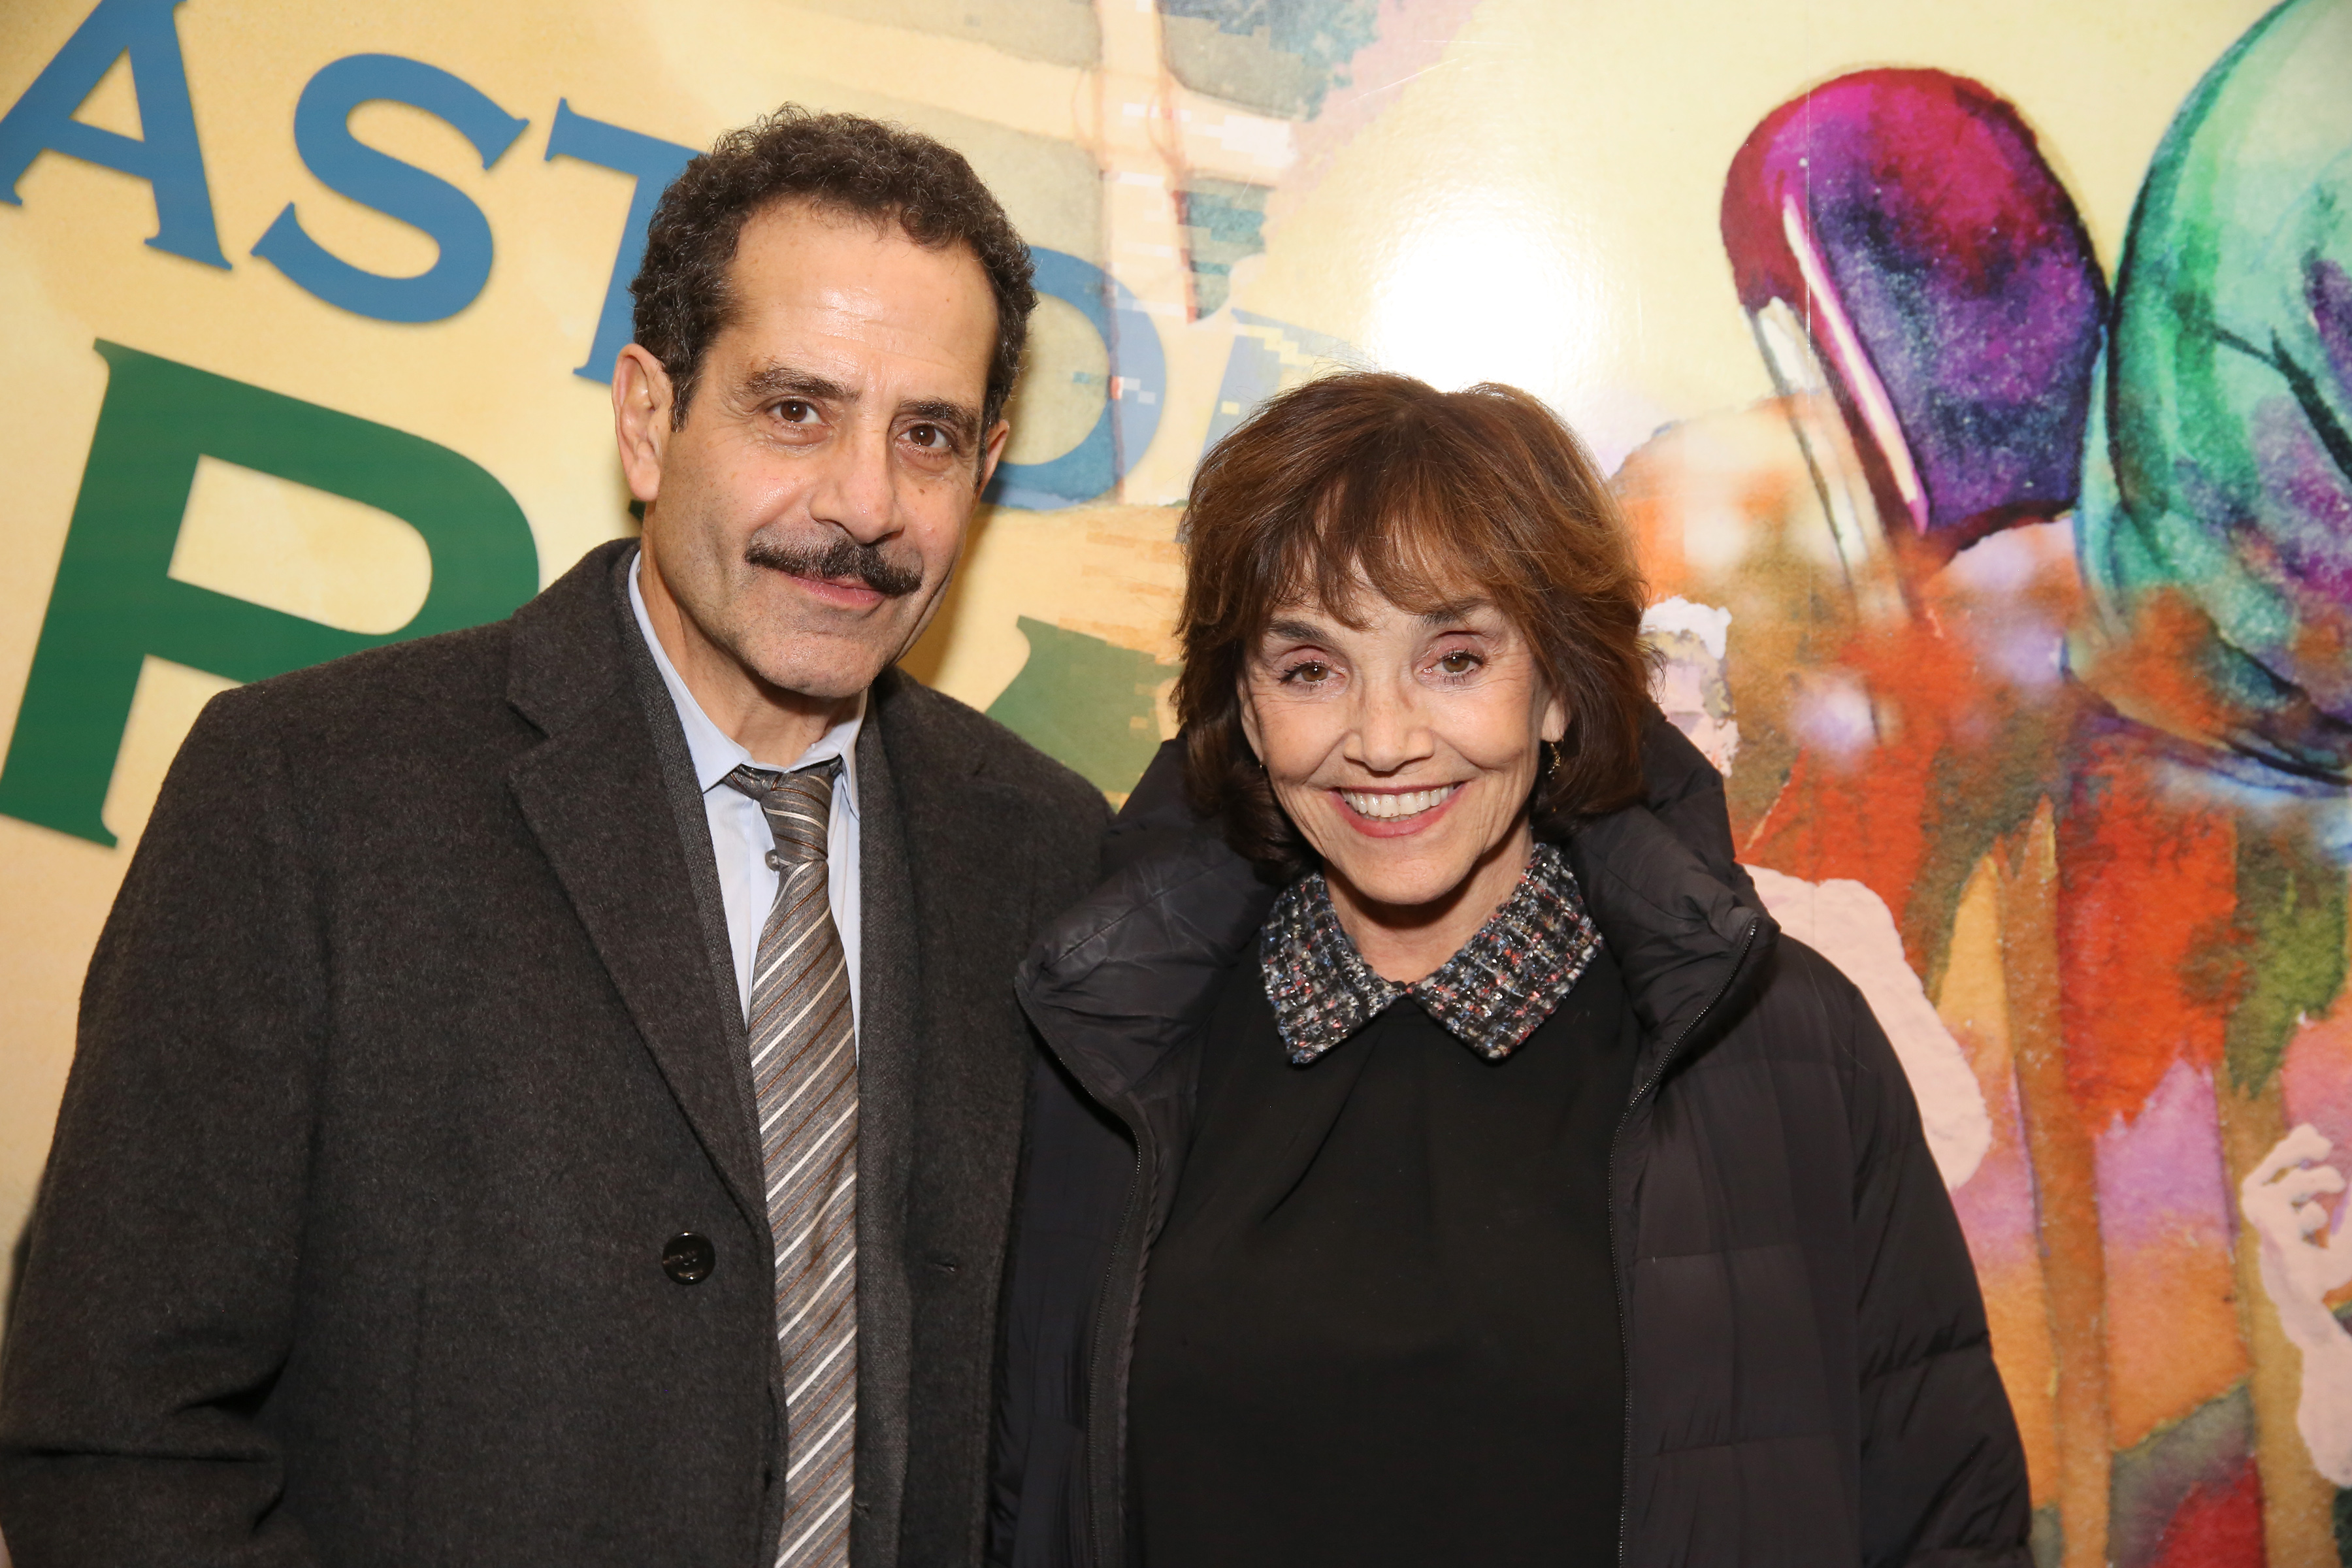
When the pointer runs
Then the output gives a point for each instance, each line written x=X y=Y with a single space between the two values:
x=968 y=894
x=891 y=981
x=594 y=793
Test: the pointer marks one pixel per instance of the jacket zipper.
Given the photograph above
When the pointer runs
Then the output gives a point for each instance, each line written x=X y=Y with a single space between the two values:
x=1616 y=1269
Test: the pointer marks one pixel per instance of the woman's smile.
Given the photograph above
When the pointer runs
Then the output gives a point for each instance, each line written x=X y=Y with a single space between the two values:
x=1390 y=812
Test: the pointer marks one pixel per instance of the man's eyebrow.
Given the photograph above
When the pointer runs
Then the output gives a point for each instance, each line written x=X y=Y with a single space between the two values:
x=774 y=381
x=962 y=422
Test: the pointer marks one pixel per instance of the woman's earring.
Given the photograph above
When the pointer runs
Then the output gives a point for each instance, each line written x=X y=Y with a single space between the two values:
x=1551 y=763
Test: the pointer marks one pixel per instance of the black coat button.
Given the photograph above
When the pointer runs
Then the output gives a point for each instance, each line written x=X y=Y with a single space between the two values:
x=688 y=1257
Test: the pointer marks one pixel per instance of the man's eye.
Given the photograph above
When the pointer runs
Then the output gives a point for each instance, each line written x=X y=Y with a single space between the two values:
x=793 y=411
x=930 y=438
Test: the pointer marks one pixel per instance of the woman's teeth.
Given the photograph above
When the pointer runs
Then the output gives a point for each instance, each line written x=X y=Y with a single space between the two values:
x=1386 y=807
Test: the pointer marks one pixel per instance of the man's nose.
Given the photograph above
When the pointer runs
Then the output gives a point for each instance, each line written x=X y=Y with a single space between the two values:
x=856 y=488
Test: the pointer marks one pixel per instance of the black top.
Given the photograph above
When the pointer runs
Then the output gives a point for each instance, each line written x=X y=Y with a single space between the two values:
x=1810 y=1376
x=1381 y=1325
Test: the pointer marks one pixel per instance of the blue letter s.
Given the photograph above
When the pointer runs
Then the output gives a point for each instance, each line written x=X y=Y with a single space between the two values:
x=345 y=164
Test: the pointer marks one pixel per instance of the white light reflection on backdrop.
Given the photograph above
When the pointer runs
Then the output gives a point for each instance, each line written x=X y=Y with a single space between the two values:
x=1485 y=289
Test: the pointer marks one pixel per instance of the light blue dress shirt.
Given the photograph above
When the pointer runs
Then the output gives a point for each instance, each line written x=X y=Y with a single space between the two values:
x=740 y=835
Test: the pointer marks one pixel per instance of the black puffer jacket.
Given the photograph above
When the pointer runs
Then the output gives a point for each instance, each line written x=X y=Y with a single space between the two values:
x=1809 y=1378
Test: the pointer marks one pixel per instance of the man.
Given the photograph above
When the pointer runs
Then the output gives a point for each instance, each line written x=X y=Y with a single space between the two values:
x=551 y=1094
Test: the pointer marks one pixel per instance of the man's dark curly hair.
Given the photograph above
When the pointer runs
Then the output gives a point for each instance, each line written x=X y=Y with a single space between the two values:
x=839 y=162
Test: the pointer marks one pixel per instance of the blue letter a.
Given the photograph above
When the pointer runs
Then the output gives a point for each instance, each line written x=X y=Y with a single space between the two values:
x=167 y=157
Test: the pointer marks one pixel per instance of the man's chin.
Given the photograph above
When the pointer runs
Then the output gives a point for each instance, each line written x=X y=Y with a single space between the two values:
x=826 y=668
x=831 y=653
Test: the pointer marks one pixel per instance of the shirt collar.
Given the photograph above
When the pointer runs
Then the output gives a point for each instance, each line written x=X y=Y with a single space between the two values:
x=1491 y=996
x=715 y=753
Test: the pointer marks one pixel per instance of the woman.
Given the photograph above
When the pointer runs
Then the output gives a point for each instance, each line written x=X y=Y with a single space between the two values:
x=1441 y=1160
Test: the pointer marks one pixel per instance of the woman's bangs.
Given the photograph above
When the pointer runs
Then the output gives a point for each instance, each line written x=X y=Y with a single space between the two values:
x=1417 y=555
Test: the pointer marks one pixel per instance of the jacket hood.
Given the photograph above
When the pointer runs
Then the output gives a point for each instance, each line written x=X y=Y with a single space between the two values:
x=1683 y=919
x=1126 y=976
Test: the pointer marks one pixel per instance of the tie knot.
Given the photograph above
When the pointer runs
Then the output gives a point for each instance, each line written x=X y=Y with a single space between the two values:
x=798 y=806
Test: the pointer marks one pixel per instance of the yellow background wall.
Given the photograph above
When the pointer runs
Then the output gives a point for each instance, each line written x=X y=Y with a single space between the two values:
x=1516 y=190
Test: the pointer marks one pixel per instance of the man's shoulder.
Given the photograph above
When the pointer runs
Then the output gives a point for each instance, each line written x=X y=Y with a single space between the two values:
x=381 y=692
x=408 y=722
x=930 y=733
x=448 y=683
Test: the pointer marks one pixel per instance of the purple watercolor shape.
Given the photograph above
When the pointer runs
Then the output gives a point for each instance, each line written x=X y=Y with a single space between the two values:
x=1899 y=242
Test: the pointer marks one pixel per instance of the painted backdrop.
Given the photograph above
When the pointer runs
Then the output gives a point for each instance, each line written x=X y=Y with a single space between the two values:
x=1977 y=378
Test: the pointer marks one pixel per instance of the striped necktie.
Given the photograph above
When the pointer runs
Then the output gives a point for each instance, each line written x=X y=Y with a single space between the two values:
x=804 y=1070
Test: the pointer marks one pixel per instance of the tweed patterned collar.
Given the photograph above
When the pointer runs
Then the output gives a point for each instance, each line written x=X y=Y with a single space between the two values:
x=1507 y=979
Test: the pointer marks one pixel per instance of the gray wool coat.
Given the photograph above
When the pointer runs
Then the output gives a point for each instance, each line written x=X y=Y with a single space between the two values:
x=410 y=1043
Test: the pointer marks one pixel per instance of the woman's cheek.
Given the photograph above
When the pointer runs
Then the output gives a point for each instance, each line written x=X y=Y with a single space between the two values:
x=1298 y=735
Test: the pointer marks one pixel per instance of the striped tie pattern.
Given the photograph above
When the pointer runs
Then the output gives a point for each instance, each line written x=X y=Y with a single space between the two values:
x=804 y=1068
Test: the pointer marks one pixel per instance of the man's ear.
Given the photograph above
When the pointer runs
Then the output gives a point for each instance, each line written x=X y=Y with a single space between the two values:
x=640 y=419
x=992 y=448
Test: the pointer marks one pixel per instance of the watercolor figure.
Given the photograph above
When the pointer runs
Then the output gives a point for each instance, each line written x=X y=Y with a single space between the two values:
x=2216 y=544
x=2038 y=601
x=1931 y=308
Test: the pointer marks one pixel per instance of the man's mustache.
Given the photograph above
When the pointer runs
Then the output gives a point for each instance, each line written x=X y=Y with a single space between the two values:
x=843 y=558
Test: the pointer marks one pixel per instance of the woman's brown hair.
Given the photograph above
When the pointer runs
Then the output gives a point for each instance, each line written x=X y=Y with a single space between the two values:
x=1428 y=496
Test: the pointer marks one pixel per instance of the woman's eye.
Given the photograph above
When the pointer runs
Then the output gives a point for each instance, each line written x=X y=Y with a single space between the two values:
x=1310 y=672
x=1461 y=661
